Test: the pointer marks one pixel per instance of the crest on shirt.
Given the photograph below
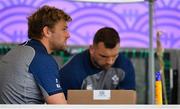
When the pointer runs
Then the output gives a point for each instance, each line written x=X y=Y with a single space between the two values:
x=115 y=79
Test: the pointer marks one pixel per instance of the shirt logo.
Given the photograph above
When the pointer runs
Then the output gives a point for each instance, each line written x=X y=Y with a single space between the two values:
x=57 y=83
x=58 y=86
x=115 y=79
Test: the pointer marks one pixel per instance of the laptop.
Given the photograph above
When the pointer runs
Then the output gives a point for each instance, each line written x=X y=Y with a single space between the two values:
x=101 y=97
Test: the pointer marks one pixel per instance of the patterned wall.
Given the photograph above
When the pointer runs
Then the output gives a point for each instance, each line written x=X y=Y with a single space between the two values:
x=130 y=20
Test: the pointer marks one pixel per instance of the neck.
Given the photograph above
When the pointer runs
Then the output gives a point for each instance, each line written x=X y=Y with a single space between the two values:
x=46 y=45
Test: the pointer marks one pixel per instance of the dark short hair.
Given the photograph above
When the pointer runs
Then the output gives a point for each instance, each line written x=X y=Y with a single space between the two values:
x=44 y=16
x=108 y=36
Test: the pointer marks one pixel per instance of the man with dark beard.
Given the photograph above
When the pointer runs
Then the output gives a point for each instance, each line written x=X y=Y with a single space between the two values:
x=99 y=67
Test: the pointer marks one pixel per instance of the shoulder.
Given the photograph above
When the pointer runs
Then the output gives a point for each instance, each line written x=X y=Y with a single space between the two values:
x=41 y=61
x=123 y=59
x=41 y=57
x=123 y=62
x=45 y=58
x=77 y=59
x=20 y=55
x=41 y=54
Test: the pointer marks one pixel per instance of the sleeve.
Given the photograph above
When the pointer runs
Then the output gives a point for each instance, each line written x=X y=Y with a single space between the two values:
x=45 y=71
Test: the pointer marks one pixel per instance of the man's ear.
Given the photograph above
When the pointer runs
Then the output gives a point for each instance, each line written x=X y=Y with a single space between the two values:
x=46 y=31
x=91 y=49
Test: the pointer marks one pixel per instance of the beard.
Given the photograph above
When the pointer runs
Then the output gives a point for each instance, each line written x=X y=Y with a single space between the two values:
x=96 y=64
x=55 y=46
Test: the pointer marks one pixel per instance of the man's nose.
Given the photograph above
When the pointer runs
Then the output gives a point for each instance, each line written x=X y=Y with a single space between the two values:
x=110 y=61
x=67 y=34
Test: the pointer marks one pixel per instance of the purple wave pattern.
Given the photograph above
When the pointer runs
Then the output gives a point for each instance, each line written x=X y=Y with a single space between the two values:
x=130 y=20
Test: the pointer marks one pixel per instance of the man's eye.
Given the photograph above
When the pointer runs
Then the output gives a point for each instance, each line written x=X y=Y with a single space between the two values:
x=103 y=56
